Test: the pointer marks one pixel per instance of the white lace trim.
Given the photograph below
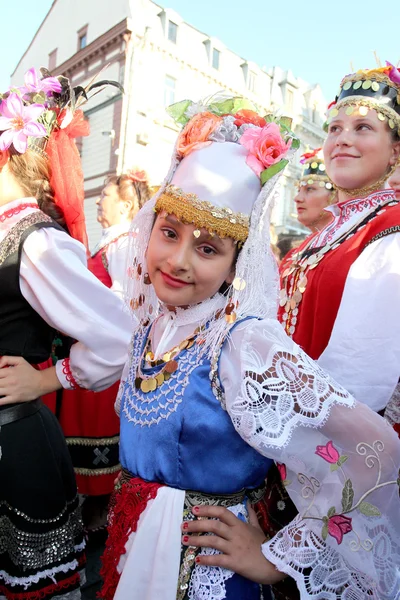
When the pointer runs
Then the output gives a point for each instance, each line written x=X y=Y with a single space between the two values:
x=27 y=581
x=321 y=571
x=280 y=392
x=208 y=583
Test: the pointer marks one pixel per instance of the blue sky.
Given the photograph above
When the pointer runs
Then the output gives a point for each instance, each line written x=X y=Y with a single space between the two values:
x=318 y=41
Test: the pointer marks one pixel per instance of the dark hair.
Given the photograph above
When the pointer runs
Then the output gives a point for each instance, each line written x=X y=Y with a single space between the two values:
x=137 y=192
x=32 y=171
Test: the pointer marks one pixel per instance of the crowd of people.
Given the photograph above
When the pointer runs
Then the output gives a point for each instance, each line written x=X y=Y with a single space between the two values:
x=235 y=424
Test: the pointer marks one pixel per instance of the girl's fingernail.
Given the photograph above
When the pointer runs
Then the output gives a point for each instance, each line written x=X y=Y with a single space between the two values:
x=197 y=559
x=196 y=509
x=185 y=538
x=185 y=525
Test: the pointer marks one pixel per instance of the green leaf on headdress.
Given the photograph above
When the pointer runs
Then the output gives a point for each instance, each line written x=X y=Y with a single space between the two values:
x=223 y=107
x=242 y=103
x=177 y=111
x=295 y=143
x=273 y=170
x=39 y=98
x=286 y=122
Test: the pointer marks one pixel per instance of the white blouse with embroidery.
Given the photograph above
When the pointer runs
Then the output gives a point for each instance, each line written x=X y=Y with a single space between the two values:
x=340 y=458
x=363 y=353
x=54 y=279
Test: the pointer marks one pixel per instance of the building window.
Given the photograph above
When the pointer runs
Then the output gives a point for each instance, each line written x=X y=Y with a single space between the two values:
x=82 y=38
x=215 y=58
x=289 y=100
x=53 y=60
x=172 y=31
x=252 y=82
x=169 y=90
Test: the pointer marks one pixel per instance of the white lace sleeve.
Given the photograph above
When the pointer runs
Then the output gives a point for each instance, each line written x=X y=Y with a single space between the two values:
x=341 y=463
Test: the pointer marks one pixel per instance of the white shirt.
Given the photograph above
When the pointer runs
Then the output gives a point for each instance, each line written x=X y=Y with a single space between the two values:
x=55 y=281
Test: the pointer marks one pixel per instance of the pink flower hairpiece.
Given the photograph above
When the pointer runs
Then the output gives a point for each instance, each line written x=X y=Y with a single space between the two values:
x=394 y=74
x=137 y=175
x=18 y=122
x=265 y=145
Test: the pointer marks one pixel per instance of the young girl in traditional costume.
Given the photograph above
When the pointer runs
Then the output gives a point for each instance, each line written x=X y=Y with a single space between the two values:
x=340 y=289
x=214 y=391
x=45 y=286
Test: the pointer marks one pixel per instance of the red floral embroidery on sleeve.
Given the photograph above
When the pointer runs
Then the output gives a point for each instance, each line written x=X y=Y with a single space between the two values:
x=66 y=369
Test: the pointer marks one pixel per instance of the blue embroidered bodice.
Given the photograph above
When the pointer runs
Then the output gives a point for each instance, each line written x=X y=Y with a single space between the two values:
x=180 y=435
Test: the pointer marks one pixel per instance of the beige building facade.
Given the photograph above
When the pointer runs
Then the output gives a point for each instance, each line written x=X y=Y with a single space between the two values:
x=159 y=59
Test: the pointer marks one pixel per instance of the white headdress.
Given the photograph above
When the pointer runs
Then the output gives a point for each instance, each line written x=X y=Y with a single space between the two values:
x=225 y=168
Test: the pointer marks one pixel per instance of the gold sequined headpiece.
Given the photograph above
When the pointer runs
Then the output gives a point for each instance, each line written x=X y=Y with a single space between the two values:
x=190 y=209
x=376 y=89
x=314 y=170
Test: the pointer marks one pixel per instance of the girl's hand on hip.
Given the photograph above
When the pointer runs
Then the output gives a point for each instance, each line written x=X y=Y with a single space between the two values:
x=239 y=543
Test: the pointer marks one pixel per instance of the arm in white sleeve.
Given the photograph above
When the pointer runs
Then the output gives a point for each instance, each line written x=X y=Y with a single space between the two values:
x=117 y=256
x=342 y=463
x=363 y=353
x=54 y=279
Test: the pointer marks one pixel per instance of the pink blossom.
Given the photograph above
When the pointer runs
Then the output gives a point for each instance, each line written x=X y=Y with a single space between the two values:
x=265 y=145
x=394 y=74
x=18 y=122
x=328 y=453
x=35 y=85
x=282 y=470
x=338 y=525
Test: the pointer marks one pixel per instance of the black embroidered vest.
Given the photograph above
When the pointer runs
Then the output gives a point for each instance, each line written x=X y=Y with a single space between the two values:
x=22 y=331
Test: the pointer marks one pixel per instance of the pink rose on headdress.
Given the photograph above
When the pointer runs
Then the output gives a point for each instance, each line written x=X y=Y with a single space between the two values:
x=265 y=145
x=18 y=122
x=338 y=525
x=196 y=133
x=328 y=453
x=394 y=74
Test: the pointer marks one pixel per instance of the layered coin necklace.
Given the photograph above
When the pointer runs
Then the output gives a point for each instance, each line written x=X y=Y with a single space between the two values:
x=149 y=383
x=294 y=278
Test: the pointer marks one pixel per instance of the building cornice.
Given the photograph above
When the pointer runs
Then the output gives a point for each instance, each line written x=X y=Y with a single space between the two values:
x=91 y=52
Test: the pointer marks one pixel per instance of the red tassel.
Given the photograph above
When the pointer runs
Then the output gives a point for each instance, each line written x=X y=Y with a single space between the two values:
x=67 y=175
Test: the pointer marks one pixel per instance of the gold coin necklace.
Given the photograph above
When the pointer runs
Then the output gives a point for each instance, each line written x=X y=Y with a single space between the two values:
x=295 y=276
x=149 y=383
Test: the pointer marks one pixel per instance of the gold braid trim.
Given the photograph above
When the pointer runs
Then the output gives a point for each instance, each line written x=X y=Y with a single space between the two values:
x=189 y=209
x=370 y=103
x=94 y=472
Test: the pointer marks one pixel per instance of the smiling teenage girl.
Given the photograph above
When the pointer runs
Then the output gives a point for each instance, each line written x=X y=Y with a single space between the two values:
x=214 y=391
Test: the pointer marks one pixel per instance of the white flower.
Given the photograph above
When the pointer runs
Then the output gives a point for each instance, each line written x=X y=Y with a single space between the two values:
x=194 y=109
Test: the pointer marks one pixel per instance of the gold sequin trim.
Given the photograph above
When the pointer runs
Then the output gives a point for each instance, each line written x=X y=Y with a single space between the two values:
x=104 y=259
x=189 y=209
x=74 y=441
x=93 y=472
x=315 y=178
x=380 y=77
x=372 y=104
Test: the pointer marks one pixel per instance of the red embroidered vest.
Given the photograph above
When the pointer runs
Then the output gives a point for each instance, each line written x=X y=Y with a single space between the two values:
x=321 y=300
